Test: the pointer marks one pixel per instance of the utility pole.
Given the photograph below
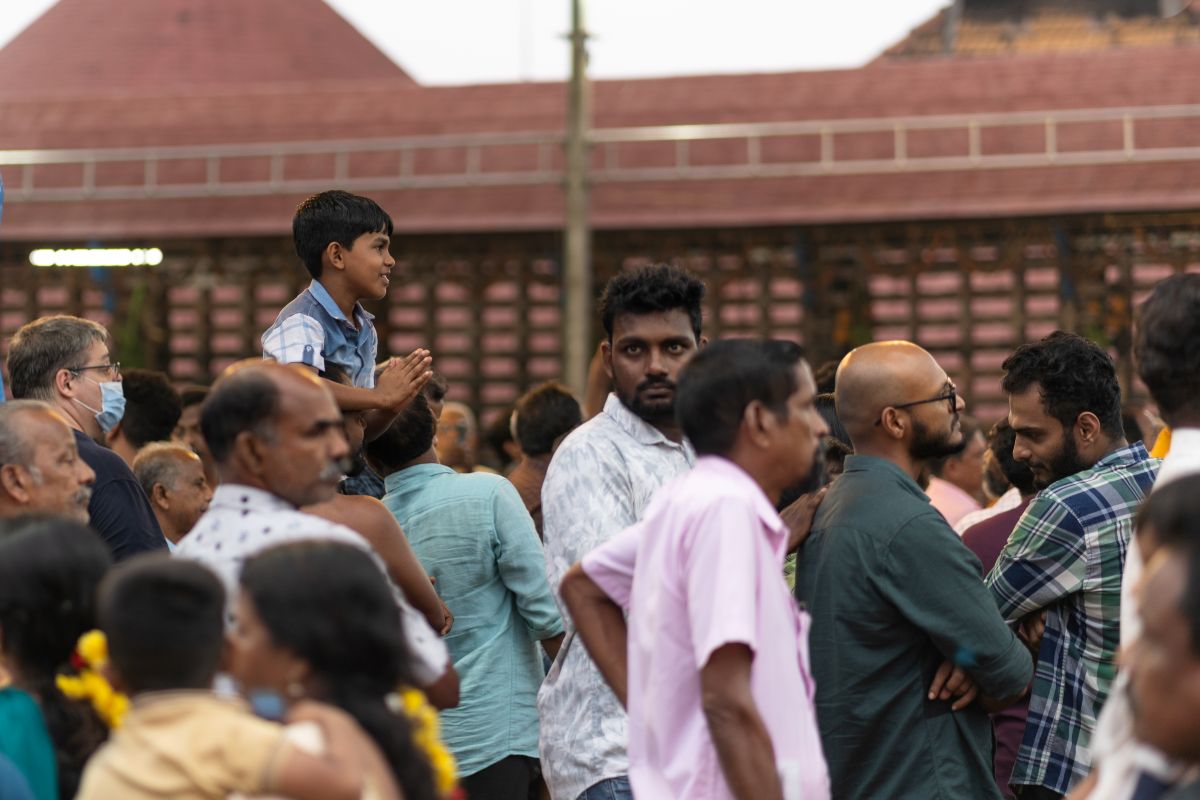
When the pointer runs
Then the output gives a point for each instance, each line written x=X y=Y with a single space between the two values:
x=577 y=257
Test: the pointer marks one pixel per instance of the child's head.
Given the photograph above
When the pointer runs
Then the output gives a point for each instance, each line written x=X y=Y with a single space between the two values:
x=49 y=570
x=1170 y=514
x=338 y=230
x=164 y=619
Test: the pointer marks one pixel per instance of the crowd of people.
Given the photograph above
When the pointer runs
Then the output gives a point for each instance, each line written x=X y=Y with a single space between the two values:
x=729 y=577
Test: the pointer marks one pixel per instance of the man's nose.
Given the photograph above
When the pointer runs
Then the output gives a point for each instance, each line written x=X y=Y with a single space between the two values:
x=339 y=447
x=1020 y=452
x=656 y=365
x=87 y=475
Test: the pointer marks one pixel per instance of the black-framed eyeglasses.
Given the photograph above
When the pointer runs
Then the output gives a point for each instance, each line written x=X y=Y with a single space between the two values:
x=950 y=396
x=113 y=369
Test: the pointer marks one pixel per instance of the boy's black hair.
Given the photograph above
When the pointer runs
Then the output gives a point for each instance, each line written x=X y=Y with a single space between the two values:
x=334 y=216
x=164 y=619
x=722 y=379
x=649 y=289
x=1073 y=375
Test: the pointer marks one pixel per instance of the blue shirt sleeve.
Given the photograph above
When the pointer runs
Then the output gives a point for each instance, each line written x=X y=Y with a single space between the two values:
x=522 y=564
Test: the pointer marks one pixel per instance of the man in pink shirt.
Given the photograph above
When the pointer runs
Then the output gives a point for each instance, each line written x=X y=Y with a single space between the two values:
x=713 y=662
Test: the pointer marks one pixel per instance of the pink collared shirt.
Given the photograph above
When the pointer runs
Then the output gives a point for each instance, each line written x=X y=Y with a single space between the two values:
x=952 y=501
x=703 y=569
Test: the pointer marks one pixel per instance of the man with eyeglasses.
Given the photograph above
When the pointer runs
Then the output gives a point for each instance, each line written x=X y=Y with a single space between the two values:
x=65 y=361
x=905 y=637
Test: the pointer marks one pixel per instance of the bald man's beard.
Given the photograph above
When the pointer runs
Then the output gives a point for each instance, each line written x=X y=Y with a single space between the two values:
x=926 y=444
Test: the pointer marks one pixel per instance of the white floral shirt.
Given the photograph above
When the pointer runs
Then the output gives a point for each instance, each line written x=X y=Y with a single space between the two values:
x=242 y=521
x=599 y=483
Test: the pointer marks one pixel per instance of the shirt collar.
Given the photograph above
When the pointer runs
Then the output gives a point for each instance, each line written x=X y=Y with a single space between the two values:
x=417 y=472
x=730 y=474
x=239 y=497
x=641 y=431
x=1130 y=454
x=865 y=463
x=325 y=299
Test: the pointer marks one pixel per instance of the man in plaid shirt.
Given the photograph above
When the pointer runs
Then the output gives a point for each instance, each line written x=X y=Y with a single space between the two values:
x=1064 y=561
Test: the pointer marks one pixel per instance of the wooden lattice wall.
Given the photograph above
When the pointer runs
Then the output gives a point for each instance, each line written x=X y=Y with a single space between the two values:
x=489 y=306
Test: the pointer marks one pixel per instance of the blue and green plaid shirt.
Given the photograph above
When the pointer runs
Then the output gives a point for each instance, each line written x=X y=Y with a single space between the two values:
x=1066 y=556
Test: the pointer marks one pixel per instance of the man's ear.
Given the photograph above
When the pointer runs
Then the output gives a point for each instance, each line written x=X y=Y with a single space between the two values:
x=159 y=498
x=759 y=423
x=64 y=382
x=703 y=341
x=250 y=450
x=606 y=357
x=1087 y=428
x=13 y=479
x=893 y=423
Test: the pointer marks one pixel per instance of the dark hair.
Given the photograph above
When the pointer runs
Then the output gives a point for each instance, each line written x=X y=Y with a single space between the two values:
x=498 y=434
x=649 y=289
x=152 y=407
x=334 y=216
x=192 y=394
x=1166 y=345
x=715 y=387
x=1173 y=511
x=826 y=406
x=165 y=622
x=1133 y=428
x=1001 y=440
x=545 y=414
x=1073 y=376
x=336 y=373
x=970 y=427
x=825 y=376
x=410 y=435
x=245 y=401
x=436 y=387
x=49 y=570
x=329 y=604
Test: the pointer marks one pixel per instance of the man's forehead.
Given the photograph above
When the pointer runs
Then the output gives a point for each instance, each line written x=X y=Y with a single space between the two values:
x=667 y=324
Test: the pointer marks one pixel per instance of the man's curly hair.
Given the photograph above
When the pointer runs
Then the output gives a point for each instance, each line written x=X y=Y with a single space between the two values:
x=1166 y=345
x=649 y=289
x=1073 y=375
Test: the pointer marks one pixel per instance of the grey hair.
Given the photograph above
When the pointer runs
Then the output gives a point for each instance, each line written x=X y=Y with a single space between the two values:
x=15 y=447
x=160 y=462
x=42 y=347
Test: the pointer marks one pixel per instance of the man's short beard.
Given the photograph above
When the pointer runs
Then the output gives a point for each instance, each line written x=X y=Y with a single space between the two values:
x=655 y=413
x=1066 y=462
x=926 y=445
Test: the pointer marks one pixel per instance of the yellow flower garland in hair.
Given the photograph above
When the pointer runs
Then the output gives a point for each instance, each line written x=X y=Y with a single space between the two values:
x=425 y=733
x=91 y=654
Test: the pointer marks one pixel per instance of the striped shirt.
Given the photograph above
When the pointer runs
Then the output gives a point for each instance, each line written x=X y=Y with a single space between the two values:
x=1066 y=556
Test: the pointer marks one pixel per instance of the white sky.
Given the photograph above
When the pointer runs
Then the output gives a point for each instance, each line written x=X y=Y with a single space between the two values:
x=478 y=41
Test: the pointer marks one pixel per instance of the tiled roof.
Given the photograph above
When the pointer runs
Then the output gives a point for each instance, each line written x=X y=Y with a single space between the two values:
x=98 y=47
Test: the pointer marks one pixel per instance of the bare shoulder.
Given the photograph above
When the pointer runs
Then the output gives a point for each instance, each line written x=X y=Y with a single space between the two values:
x=365 y=515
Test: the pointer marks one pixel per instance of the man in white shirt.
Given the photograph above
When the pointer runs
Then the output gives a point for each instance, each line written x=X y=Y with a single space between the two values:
x=276 y=435
x=599 y=482
x=1166 y=348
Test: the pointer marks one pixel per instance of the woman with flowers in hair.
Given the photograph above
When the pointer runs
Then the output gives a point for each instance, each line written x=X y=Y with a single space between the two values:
x=49 y=570
x=316 y=620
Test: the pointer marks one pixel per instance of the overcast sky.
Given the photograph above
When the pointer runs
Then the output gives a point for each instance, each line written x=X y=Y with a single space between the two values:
x=475 y=41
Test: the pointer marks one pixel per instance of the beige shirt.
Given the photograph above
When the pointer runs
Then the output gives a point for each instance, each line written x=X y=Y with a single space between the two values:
x=186 y=745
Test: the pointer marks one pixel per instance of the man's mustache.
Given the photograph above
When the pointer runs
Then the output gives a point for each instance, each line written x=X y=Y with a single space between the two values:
x=651 y=383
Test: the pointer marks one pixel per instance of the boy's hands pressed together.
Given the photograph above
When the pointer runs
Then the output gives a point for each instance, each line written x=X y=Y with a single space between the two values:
x=402 y=378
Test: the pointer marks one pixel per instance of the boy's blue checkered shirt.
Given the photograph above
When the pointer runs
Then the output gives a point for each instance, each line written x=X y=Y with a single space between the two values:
x=312 y=330
x=1067 y=555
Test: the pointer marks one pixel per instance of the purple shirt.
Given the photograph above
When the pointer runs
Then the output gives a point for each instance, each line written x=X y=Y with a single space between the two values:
x=703 y=569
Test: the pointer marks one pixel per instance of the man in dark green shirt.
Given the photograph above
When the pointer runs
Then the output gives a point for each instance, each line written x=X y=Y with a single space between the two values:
x=895 y=595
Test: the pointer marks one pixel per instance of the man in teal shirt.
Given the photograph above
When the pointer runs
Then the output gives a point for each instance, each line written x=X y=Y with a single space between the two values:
x=472 y=533
x=897 y=602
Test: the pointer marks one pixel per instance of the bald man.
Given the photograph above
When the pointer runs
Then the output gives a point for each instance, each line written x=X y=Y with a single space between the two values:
x=277 y=438
x=905 y=635
x=40 y=467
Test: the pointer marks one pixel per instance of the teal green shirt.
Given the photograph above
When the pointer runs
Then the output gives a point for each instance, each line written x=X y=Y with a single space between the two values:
x=893 y=592
x=25 y=741
x=473 y=534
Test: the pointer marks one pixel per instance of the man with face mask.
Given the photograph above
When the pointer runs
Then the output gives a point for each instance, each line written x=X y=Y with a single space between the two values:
x=599 y=482
x=1066 y=556
x=65 y=361
x=904 y=635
